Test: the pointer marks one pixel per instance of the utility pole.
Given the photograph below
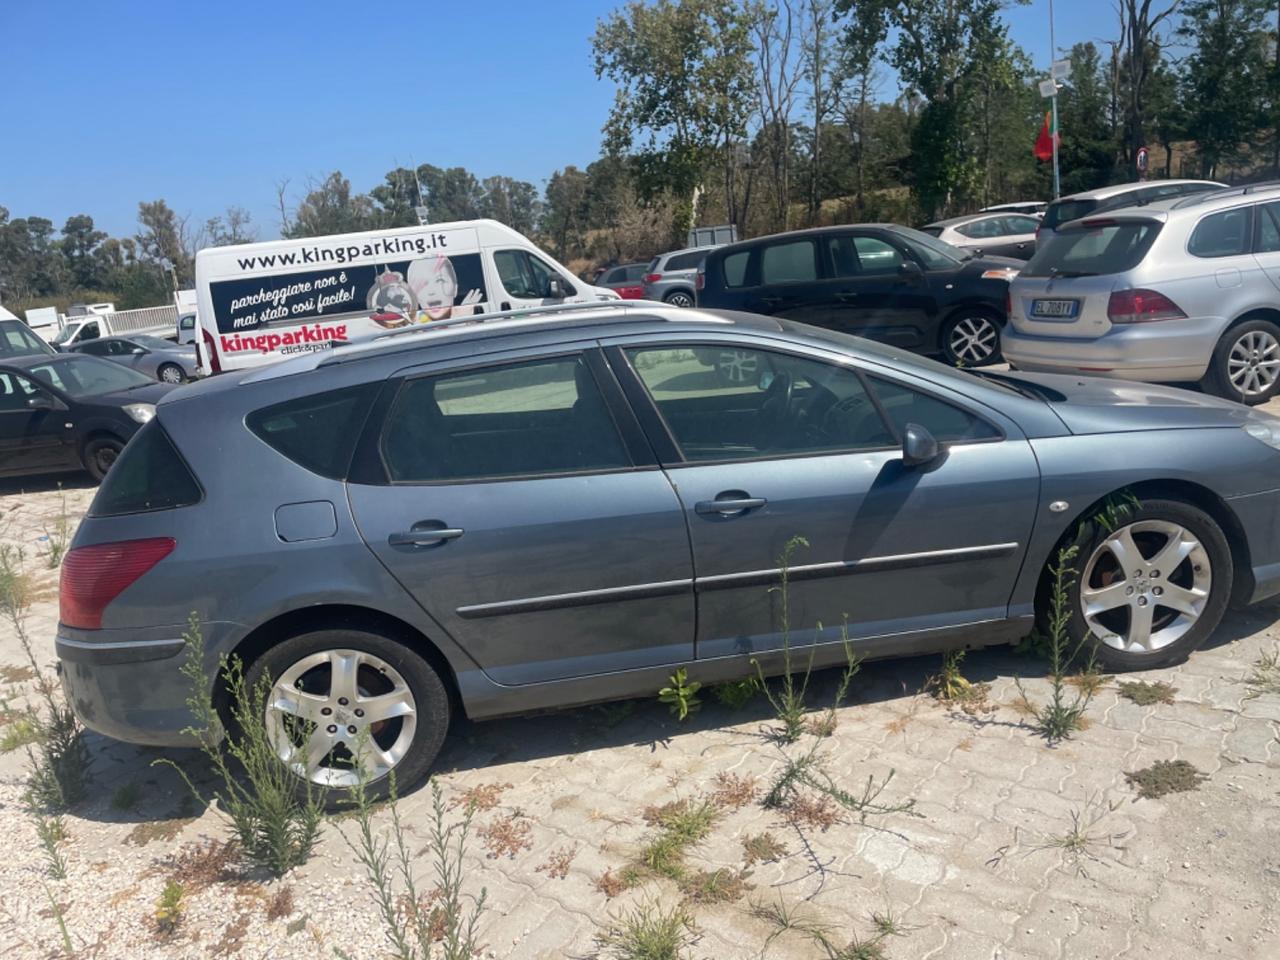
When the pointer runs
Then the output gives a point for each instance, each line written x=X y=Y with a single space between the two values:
x=1053 y=54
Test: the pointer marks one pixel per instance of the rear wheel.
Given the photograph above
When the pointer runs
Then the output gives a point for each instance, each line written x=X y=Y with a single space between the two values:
x=346 y=705
x=170 y=373
x=99 y=454
x=971 y=338
x=679 y=298
x=1151 y=590
x=1246 y=363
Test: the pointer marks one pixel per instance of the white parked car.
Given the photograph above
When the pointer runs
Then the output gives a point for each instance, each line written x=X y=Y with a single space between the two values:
x=992 y=234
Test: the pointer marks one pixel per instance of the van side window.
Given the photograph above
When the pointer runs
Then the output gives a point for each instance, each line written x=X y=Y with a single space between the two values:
x=792 y=262
x=1225 y=234
x=735 y=268
x=523 y=275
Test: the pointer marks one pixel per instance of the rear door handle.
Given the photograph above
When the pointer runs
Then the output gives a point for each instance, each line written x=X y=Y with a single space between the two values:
x=847 y=296
x=728 y=505
x=423 y=535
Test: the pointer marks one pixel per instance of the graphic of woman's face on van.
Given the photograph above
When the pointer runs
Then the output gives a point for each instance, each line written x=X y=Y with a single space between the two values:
x=435 y=286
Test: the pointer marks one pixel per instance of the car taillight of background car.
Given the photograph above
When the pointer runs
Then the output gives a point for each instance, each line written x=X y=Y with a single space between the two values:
x=1142 y=306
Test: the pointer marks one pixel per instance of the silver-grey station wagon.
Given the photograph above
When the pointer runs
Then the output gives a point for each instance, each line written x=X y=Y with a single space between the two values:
x=496 y=515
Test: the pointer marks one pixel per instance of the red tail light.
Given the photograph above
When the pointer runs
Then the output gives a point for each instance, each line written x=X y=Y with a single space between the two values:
x=214 y=365
x=652 y=277
x=94 y=576
x=631 y=293
x=1008 y=303
x=701 y=281
x=1142 y=306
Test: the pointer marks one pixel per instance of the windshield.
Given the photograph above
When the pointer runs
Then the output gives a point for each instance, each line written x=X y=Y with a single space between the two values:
x=1061 y=211
x=82 y=376
x=1104 y=246
x=65 y=334
x=17 y=341
x=934 y=252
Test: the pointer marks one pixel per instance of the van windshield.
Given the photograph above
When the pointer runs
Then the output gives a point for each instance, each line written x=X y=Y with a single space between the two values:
x=1093 y=248
x=1062 y=211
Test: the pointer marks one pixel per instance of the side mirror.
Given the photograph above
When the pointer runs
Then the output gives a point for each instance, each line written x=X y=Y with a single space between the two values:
x=40 y=401
x=918 y=446
x=910 y=271
x=555 y=289
x=138 y=351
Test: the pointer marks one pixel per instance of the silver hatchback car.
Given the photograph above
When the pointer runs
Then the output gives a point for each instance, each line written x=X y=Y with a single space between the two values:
x=1180 y=291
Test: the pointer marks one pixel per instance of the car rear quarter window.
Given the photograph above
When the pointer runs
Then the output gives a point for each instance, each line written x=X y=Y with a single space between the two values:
x=793 y=262
x=1110 y=246
x=686 y=261
x=149 y=475
x=948 y=423
x=318 y=431
x=529 y=419
x=735 y=268
x=1062 y=211
x=1223 y=234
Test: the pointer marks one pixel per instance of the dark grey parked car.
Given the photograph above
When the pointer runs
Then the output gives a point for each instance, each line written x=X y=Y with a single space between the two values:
x=513 y=513
x=160 y=359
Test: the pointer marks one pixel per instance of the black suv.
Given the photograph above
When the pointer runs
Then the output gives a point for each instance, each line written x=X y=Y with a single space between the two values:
x=881 y=281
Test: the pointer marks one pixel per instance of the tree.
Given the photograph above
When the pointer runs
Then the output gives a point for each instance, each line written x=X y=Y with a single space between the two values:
x=329 y=207
x=513 y=202
x=451 y=194
x=79 y=240
x=163 y=238
x=235 y=227
x=685 y=89
x=564 y=216
x=1138 y=52
x=1087 y=155
x=816 y=45
x=779 y=78
x=1224 y=82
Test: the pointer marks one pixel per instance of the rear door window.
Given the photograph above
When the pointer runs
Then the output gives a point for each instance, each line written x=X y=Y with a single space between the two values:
x=735 y=268
x=1267 y=225
x=793 y=262
x=537 y=418
x=1224 y=234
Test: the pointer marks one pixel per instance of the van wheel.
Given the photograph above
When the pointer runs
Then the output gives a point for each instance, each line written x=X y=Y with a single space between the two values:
x=99 y=454
x=679 y=298
x=170 y=373
x=971 y=338
x=1149 y=591
x=1246 y=363
x=347 y=705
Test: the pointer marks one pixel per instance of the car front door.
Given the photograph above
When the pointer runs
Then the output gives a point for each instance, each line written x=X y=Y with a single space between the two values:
x=526 y=280
x=32 y=439
x=521 y=508
x=810 y=455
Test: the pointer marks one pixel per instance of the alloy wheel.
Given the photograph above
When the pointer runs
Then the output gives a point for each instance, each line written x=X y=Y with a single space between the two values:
x=680 y=300
x=1254 y=363
x=337 y=715
x=171 y=374
x=1145 y=586
x=973 y=339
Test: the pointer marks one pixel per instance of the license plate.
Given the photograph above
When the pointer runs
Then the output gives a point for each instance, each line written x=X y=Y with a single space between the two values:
x=1055 y=309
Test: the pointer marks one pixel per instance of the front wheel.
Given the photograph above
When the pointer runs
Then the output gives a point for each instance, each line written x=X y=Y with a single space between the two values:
x=1149 y=591
x=99 y=454
x=1246 y=363
x=346 y=706
x=971 y=339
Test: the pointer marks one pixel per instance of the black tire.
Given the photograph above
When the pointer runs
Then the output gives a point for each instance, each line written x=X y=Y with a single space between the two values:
x=171 y=373
x=679 y=298
x=971 y=338
x=1236 y=347
x=432 y=708
x=99 y=454
x=1147 y=582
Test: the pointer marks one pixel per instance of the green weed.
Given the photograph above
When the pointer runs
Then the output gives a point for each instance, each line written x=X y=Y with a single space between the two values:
x=681 y=695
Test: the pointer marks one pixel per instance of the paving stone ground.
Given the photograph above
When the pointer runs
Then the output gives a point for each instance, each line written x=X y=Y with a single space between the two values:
x=976 y=870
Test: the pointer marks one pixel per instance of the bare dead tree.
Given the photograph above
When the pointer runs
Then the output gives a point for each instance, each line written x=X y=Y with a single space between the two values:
x=780 y=74
x=1139 y=54
x=819 y=28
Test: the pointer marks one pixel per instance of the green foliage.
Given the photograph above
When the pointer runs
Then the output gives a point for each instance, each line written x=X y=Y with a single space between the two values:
x=412 y=921
x=681 y=695
x=59 y=537
x=53 y=833
x=1145 y=694
x=170 y=907
x=648 y=932
x=1116 y=510
x=1164 y=777
x=736 y=694
x=275 y=814
x=681 y=825
x=126 y=796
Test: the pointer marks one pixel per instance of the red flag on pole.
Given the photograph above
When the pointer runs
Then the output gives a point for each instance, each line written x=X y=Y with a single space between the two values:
x=1048 y=135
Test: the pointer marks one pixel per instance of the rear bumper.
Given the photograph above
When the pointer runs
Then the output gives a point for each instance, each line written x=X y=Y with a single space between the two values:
x=129 y=685
x=1174 y=351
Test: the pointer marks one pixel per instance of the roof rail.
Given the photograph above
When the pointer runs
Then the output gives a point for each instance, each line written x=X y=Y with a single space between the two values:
x=481 y=318
x=1261 y=185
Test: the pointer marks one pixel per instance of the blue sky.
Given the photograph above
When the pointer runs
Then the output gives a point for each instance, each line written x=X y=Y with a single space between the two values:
x=104 y=104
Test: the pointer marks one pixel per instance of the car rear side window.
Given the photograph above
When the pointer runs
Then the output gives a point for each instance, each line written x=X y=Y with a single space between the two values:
x=518 y=420
x=318 y=431
x=1065 y=210
x=1104 y=247
x=735 y=268
x=792 y=262
x=947 y=423
x=686 y=261
x=1225 y=234
x=149 y=475
x=1267 y=225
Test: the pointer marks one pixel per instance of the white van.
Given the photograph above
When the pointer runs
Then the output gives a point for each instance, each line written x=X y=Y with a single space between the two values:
x=259 y=302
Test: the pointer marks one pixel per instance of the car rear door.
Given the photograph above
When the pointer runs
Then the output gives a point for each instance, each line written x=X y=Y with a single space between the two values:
x=811 y=449
x=516 y=500
x=872 y=291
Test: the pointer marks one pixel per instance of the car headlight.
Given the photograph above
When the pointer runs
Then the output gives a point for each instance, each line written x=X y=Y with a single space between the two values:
x=1265 y=429
x=141 y=412
x=1000 y=273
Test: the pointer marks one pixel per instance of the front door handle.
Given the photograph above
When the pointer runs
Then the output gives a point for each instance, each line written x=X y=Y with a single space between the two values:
x=424 y=535
x=736 y=503
x=847 y=296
